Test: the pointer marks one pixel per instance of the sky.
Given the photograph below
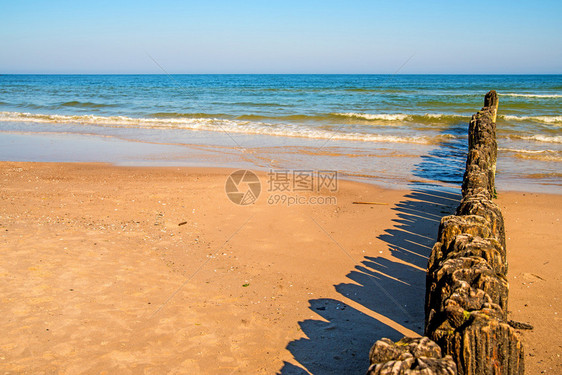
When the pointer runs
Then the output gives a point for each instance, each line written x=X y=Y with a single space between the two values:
x=281 y=36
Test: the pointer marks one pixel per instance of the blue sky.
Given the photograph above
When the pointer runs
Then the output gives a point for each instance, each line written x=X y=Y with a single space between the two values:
x=285 y=36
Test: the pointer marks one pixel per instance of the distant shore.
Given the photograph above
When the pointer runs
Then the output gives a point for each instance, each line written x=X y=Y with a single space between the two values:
x=151 y=269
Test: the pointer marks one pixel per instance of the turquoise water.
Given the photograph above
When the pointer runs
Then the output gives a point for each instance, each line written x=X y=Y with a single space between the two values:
x=390 y=128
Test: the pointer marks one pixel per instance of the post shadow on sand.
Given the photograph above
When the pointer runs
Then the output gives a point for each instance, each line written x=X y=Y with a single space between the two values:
x=395 y=290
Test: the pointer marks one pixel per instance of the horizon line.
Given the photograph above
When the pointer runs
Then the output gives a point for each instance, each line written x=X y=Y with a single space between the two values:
x=387 y=74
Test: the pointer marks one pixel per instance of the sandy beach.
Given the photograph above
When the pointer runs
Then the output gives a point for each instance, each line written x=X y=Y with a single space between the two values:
x=153 y=270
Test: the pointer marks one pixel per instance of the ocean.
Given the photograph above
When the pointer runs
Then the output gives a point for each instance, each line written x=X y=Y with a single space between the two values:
x=396 y=130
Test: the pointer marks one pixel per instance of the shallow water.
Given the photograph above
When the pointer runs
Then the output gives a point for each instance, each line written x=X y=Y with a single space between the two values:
x=388 y=128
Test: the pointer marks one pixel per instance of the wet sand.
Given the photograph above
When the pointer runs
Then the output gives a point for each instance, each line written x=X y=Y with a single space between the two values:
x=153 y=270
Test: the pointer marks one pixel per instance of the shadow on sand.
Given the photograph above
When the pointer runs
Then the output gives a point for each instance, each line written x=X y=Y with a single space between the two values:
x=393 y=290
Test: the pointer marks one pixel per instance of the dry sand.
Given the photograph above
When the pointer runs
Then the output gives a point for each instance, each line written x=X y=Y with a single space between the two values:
x=99 y=277
x=534 y=244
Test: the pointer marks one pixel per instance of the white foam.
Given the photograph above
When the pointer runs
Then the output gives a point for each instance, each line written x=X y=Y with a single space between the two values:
x=444 y=115
x=528 y=151
x=543 y=138
x=544 y=119
x=214 y=125
x=543 y=155
x=377 y=116
x=546 y=96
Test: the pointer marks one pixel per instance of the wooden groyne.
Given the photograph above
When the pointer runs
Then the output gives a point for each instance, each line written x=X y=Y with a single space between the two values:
x=466 y=326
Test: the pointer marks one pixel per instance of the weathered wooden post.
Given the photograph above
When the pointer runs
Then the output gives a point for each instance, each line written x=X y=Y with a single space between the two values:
x=466 y=284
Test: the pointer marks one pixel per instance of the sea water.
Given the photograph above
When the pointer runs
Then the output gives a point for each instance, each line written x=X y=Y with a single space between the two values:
x=391 y=129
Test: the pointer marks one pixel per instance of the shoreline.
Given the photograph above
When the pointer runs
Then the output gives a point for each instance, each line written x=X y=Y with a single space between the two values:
x=263 y=288
x=386 y=168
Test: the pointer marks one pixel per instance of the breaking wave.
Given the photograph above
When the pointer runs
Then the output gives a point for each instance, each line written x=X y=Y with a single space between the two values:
x=543 y=119
x=216 y=125
x=544 y=155
x=545 y=96
x=401 y=117
x=538 y=138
